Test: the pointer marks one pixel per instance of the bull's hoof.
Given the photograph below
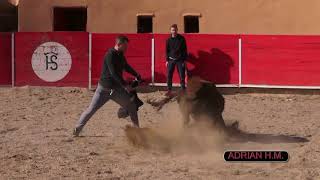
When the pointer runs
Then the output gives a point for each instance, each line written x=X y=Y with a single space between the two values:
x=235 y=125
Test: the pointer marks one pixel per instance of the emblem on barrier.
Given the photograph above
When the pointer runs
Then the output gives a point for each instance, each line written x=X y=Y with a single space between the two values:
x=51 y=61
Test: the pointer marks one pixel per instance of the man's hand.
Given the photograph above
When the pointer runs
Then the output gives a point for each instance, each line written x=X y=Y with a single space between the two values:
x=166 y=63
x=138 y=77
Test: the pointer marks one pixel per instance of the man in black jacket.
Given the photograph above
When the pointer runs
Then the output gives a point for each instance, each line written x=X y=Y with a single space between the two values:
x=112 y=85
x=176 y=54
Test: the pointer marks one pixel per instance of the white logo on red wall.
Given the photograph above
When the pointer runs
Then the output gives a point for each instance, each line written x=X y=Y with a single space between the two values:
x=51 y=61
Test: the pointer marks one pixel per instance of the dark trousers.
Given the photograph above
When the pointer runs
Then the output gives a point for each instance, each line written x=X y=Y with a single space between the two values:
x=101 y=96
x=170 y=70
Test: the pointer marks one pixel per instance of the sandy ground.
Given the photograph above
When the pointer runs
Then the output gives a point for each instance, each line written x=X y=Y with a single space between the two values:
x=36 y=142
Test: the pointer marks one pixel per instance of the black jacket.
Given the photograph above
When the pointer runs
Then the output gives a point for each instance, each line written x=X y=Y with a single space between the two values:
x=113 y=66
x=176 y=48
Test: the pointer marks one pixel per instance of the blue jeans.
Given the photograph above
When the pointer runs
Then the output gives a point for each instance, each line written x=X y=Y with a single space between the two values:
x=170 y=70
x=101 y=96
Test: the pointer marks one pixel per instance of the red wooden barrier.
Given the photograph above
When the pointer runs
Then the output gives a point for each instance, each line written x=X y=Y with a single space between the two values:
x=281 y=60
x=212 y=57
x=138 y=55
x=52 y=59
x=61 y=59
x=5 y=58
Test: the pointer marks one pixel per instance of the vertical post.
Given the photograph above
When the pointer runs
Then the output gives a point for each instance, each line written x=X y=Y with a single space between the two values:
x=152 y=60
x=12 y=60
x=90 y=59
x=240 y=62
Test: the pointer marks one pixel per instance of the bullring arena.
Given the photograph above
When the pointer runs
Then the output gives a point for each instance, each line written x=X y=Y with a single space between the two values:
x=39 y=111
x=36 y=138
x=261 y=79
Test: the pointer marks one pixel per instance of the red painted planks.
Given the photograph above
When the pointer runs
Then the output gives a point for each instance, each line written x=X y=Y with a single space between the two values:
x=281 y=60
x=5 y=58
x=138 y=55
x=212 y=57
x=52 y=59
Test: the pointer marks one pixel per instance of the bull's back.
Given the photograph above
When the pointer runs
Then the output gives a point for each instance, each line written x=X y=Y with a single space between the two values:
x=210 y=100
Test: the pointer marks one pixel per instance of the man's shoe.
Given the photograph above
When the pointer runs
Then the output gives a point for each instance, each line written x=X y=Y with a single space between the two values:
x=76 y=132
x=122 y=113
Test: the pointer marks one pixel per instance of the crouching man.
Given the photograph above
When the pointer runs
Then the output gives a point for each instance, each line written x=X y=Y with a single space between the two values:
x=112 y=85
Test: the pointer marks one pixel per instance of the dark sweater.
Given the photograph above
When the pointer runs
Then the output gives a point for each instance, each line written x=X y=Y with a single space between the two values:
x=113 y=66
x=176 y=48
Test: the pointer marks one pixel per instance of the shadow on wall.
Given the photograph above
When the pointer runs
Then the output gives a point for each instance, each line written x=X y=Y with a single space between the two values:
x=212 y=66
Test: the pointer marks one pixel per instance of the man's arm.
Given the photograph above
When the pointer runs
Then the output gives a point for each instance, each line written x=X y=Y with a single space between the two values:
x=167 y=50
x=184 y=49
x=130 y=70
x=110 y=62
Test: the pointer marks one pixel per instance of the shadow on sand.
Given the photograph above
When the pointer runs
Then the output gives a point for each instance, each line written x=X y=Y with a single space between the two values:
x=238 y=136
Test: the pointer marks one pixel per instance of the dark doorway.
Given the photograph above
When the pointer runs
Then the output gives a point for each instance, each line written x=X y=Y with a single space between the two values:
x=144 y=24
x=70 y=19
x=191 y=24
x=8 y=17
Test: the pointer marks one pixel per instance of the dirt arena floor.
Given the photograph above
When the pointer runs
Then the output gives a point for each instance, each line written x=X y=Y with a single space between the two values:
x=36 y=141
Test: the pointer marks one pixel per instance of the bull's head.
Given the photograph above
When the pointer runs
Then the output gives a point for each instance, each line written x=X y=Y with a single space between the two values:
x=194 y=84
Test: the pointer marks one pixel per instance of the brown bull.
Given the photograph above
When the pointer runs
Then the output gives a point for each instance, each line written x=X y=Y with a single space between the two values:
x=202 y=99
x=203 y=102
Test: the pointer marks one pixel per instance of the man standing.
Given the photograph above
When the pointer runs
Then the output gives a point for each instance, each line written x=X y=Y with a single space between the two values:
x=176 y=54
x=112 y=85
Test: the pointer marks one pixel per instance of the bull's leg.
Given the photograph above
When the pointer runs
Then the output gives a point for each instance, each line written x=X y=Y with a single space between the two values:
x=218 y=122
x=186 y=119
x=185 y=114
x=185 y=109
